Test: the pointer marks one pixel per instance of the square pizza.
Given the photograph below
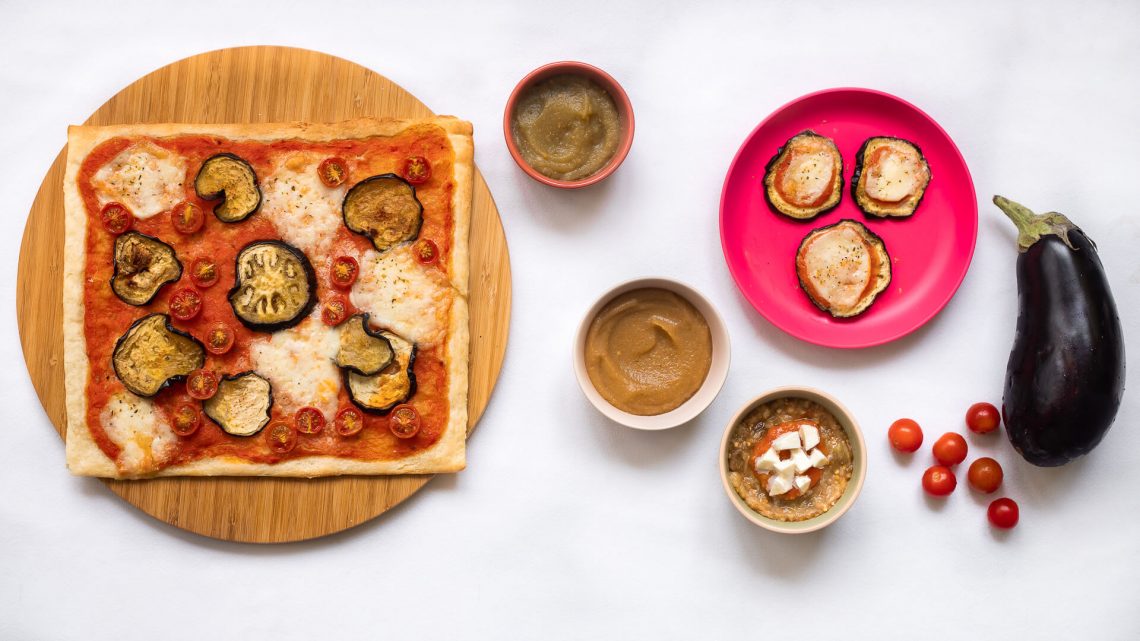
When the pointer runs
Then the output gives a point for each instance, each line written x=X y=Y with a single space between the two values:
x=267 y=299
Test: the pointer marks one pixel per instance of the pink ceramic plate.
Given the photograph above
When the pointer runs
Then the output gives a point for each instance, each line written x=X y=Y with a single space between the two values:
x=930 y=251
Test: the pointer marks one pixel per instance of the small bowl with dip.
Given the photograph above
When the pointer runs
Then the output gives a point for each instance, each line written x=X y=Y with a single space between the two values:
x=651 y=354
x=793 y=460
x=568 y=124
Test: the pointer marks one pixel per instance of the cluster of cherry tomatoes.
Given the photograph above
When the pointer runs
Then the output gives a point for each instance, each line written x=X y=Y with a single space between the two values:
x=985 y=474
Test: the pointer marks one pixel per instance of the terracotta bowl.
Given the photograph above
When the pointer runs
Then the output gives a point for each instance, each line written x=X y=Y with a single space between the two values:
x=858 y=452
x=606 y=81
x=718 y=369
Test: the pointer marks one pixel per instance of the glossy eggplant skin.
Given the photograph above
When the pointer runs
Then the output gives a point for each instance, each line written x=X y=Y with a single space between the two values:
x=1065 y=376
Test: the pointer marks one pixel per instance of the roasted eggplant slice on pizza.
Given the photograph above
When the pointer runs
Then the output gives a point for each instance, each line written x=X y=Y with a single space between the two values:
x=152 y=354
x=805 y=177
x=232 y=179
x=891 y=176
x=362 y=349
x=143 y=264
x=241 y=405
x=274 y=286
x=843 y=267
x=389 y=387
x=385 y=209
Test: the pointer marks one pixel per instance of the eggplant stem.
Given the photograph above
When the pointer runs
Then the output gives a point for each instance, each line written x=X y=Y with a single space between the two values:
x=1032 y=227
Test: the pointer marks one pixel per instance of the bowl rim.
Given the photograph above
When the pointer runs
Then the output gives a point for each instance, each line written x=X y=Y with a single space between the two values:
x=709 y=389
x=616 y=91
x=854 y=488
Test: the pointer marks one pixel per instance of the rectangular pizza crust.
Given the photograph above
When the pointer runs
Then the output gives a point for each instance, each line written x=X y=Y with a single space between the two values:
x=84 y=457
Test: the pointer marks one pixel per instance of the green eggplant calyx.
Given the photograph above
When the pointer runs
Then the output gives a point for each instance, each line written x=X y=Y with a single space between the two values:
x=1032 y=227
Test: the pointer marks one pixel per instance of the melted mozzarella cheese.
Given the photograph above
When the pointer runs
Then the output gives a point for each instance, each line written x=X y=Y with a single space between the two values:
x=146 y=178
x=144 y=438
x=895 y=176
x=808 y=177
x=305 y=212
x=299 y=365
x=838 y=265
x=403 y=296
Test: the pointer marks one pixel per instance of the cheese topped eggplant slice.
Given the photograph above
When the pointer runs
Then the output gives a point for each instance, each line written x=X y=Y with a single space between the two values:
x=890 y=178
x=362 y=349
x=843 y=267
x=232 y=179
x=805 y=177
x=385 y=209
x=241 y=405
x=143 y=264
x=152 y=354
x=389 y=387
x=274 y=286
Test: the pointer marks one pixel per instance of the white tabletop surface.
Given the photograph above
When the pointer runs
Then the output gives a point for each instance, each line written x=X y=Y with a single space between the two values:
x=567 y=526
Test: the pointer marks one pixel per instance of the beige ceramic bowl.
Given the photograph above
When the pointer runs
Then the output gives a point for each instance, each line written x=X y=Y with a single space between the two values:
x=708 y=391
x=858 y=455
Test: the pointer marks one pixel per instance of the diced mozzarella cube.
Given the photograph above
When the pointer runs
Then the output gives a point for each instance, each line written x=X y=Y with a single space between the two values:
x=785 y=467
x=800 y=461
x=787 y=441
x=817 y=458
x=779 y=485
x=767 y=461
x=810 y=435
x=802 y=483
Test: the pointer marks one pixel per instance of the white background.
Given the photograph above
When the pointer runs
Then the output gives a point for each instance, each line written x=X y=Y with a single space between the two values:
x=566 y=526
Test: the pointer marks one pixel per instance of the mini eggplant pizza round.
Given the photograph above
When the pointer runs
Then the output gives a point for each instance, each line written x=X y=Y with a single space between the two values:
x=805 y=177
x=843 y=267
x=891 y=176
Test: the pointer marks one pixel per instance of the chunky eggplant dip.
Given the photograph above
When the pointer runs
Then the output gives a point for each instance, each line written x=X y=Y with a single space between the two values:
x=789 y=459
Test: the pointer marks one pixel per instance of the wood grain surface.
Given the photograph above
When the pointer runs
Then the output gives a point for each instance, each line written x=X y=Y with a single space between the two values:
x=254 y=84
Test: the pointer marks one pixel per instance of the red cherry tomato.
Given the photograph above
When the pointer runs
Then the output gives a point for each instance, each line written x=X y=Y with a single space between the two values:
x=349 y=421
x=417 y=170
x=219 y=339
x=202 y=384
x=938 y=480
x=281 y=436
x=982 y=418
x=186 y=419
x=309 y=420
x=187 y=217
x=950 y=449
x=905 y=435
x=985 y=475
x=1003 y=513
x=333 y=172
x=405 y=421
x=116 y=218
x=335 y=310
x=185 y=304
x=344 y=271
x=426 y=251
x=204 y=272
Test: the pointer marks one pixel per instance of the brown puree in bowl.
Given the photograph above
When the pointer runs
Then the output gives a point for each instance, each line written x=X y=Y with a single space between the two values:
x=648 y=351
x=566 y=127
x=751 y=430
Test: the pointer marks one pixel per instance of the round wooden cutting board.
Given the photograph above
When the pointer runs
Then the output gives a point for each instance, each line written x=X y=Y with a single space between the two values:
x=255 y=84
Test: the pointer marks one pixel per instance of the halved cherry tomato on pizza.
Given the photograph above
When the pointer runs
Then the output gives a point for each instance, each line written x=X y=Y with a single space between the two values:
x=426 y=251
x=333 y=171
x=344 y=271
x=202 y=384
x=349 y=421
x=187 y=217
x=281 y=436
x=309 y=420
x=204 y=272
x=185 y=304
x=404 y=421
x=186 y=419
x=417 y=170
x=334 y=311
x=219 y=339
x=116 y=218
